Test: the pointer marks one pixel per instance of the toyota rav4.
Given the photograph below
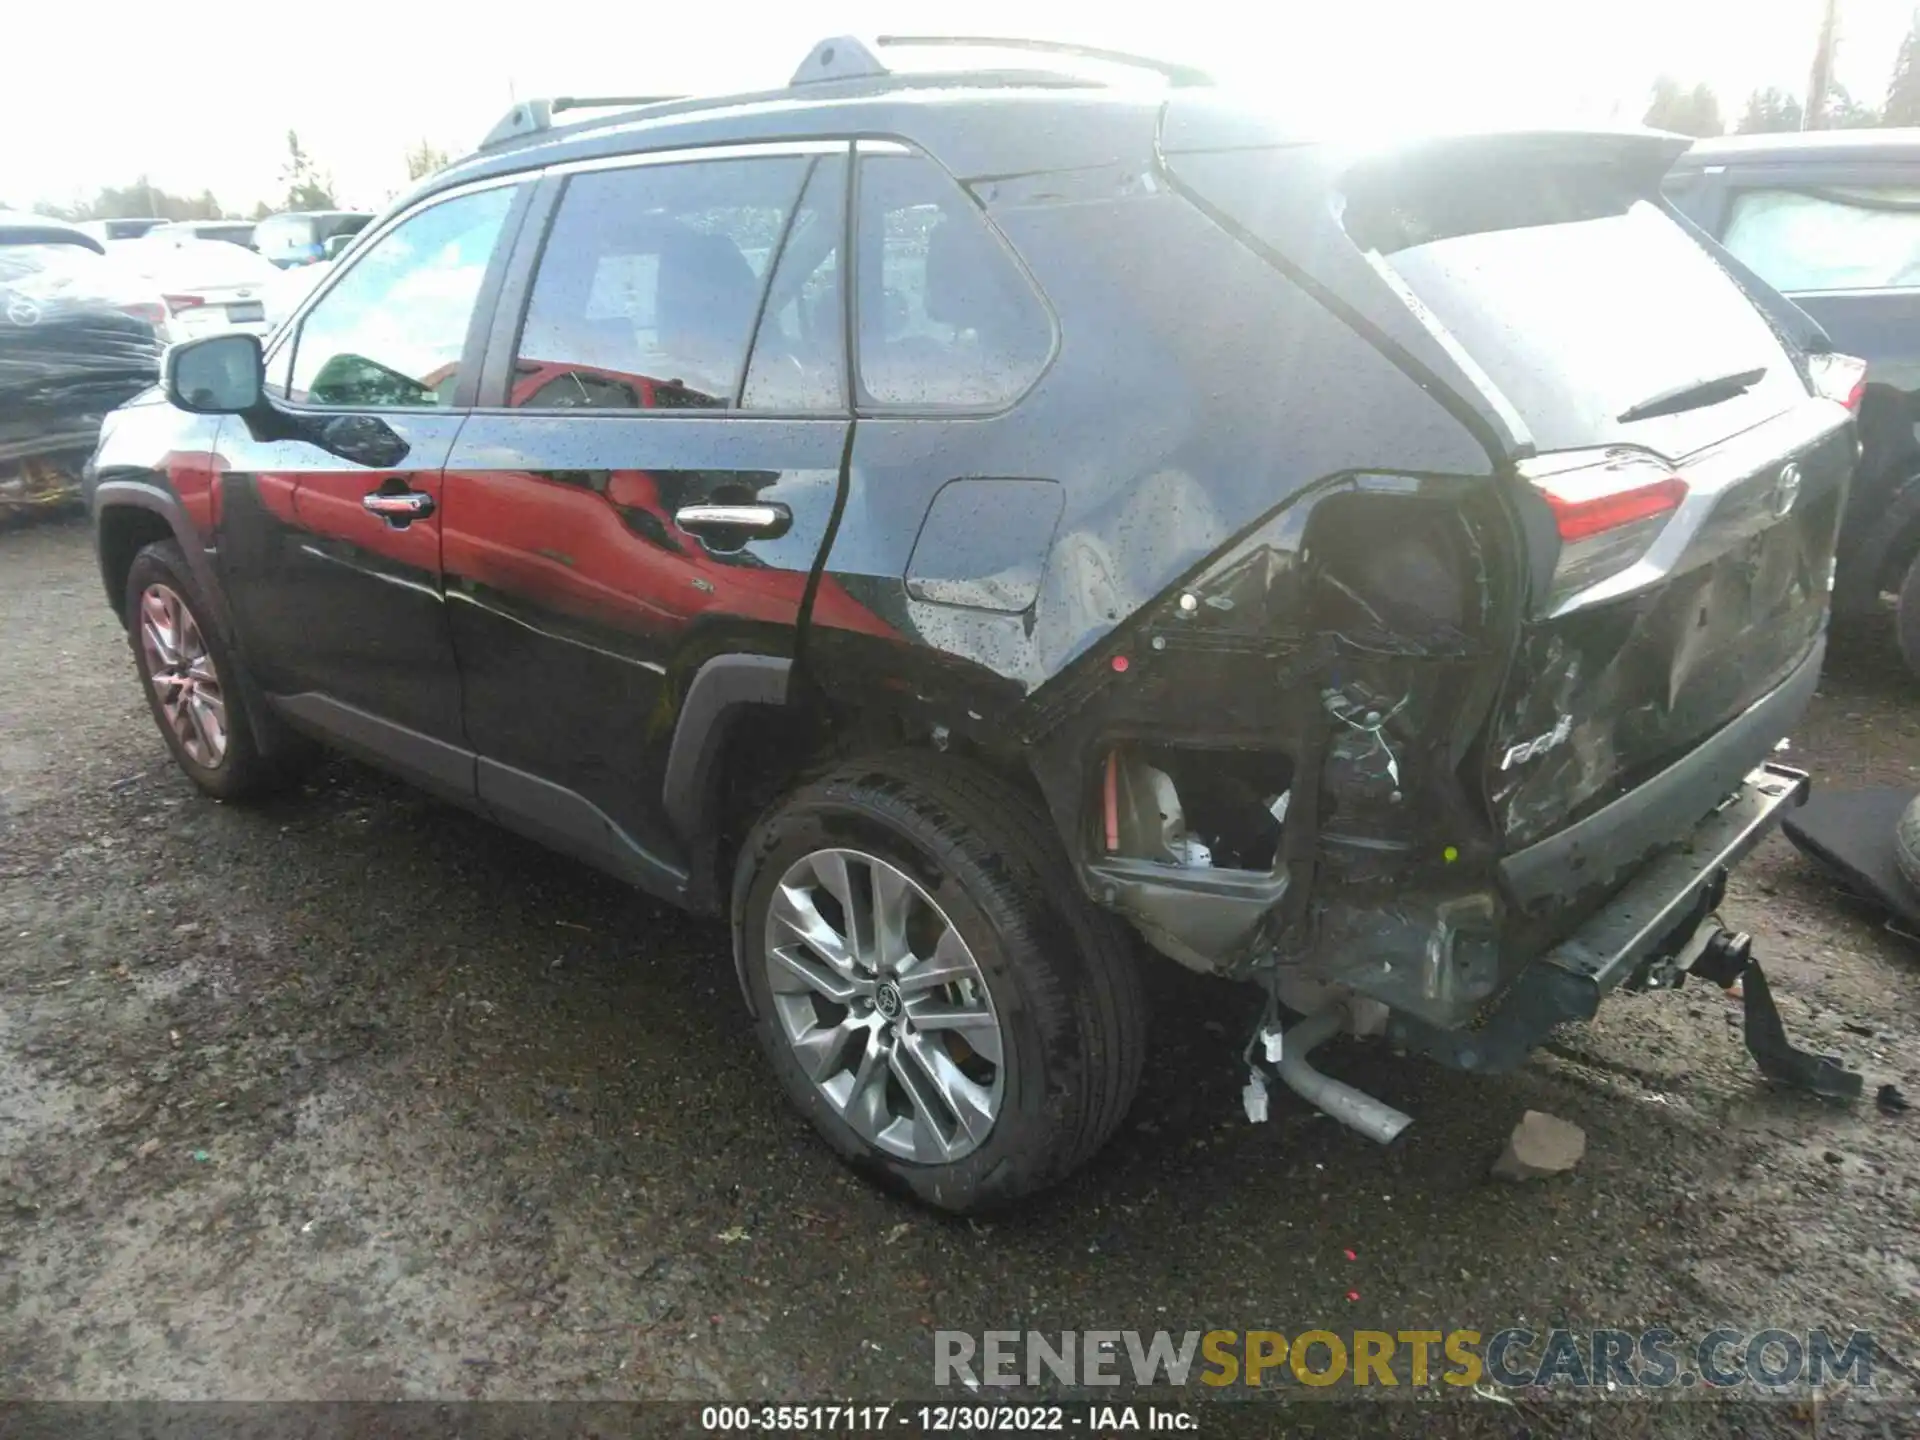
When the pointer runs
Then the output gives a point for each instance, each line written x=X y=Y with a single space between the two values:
x=958 y=525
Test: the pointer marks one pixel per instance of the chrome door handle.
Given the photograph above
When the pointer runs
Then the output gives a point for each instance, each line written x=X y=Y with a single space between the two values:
x=758 y=522
x=400 y=509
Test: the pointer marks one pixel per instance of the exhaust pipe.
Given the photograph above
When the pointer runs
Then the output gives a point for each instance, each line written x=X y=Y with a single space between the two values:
x=1375 y=1119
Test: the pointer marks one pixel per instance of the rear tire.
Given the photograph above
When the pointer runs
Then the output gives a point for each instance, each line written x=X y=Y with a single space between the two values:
x=968 y=1092
x=1906 y=843
x=1906 y=617
x=192 y=680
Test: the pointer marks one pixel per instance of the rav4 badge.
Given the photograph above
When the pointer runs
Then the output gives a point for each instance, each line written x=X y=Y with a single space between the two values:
x=1531 y=749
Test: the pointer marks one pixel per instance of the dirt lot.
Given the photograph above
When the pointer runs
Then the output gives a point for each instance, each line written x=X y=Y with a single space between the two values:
x=356 y=1096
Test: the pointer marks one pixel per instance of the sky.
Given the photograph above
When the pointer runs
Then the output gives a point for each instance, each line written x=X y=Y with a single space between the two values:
x=199 y=94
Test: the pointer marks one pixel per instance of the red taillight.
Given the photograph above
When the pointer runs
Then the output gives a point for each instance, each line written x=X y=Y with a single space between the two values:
x=1838 y=377
x=177 y=303
x=147 y=310
x=1609 y=508
x=1582 y=517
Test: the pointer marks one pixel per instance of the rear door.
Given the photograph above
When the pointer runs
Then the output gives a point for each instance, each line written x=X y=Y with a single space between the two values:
x=649 y=485
x=1844 y=244
x=329 y=509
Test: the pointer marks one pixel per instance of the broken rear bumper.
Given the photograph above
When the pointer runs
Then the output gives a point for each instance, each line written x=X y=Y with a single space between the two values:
x=1651 y=917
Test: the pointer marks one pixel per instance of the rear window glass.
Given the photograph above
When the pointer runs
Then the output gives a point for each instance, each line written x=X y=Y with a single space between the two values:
x=1829 y=239
x=283 y=231
x=1579 y=301
x=233 y=234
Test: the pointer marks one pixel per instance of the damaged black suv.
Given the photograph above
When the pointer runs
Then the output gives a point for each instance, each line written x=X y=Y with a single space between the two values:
x=956 y=524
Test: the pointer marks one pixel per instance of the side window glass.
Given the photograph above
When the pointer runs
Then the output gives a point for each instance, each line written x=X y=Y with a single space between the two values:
x=279 y=377
x=798 y=354
x=649 y=283
x=945 y=315
x=390 y=333
x=1840 y=238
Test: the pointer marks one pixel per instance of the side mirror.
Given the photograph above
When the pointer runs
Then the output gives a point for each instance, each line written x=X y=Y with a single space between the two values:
x=220 y=375
x=335 y=247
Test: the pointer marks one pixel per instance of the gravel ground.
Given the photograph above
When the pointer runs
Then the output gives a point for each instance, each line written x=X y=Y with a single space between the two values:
x=355 y=1096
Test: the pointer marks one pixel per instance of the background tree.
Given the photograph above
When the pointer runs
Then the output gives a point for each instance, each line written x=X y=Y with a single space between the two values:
x=424 y=159
x=1903 y=91
x=140 y=199
x=1769 y=111
x=1820 y=78
x=1686 y=112
x=1846 y=113
x=307 y=188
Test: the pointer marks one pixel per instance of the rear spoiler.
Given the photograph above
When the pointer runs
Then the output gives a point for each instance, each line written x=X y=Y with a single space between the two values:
x=1201 y=120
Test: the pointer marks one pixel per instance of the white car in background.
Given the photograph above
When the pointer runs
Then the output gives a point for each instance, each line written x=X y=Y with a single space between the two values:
x=289 y=287
x=204 y=286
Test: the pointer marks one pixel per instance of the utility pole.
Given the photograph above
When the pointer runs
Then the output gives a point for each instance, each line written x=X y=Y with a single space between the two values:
x=1813 y=116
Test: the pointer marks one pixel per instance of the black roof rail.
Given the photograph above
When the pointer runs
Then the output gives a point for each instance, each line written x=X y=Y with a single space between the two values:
x=1173 y=71
x=847 y=57
x=529 y=117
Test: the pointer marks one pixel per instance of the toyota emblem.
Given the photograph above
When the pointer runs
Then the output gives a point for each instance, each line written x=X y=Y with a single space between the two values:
x=1786 y=490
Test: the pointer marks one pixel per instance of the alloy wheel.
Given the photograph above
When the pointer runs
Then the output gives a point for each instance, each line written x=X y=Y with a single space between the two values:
x=183 y=677
x=884 y=1006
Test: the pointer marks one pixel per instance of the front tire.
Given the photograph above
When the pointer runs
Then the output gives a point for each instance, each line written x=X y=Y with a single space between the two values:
x=191 y=679
x=930 y=986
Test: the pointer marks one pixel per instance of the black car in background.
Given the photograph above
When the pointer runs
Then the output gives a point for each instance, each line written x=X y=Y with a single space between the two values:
x=75 y=341
x=1831 y=219
x=960 y=526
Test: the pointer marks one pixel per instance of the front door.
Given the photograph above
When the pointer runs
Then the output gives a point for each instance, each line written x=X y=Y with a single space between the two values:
x=650 y=483
x=330 y=507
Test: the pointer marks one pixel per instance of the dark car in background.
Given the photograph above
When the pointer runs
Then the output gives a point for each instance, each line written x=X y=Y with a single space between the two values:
x=1831 y=219
x=957 y=527
x=122 y=229
x=76 y=339
x=234 y=232
x=299 y=237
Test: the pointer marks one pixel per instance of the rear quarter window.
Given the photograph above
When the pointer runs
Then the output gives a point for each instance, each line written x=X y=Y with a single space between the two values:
x=946 y=318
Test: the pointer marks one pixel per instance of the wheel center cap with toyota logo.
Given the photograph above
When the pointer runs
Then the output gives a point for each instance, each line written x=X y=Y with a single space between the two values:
x=887 y=1001
x=1786 y=490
